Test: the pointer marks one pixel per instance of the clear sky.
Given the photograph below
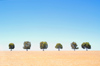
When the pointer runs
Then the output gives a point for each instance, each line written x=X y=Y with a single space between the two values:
x=53 y=21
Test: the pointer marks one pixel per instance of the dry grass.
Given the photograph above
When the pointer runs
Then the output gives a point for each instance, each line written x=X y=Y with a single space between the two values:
x=50 y=58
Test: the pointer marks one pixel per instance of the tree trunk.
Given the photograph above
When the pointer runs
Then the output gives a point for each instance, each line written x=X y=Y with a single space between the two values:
x=58 y=49
x=11 y=50
x=43 y=49
x=86 y=49
x=26 y=49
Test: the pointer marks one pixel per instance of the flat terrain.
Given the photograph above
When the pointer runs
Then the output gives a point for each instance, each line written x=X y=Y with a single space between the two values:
x=49 y=58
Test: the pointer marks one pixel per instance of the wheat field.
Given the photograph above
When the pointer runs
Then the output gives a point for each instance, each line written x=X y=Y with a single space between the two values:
x=49 y=58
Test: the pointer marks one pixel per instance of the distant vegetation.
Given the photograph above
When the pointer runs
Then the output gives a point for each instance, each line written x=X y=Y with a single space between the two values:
x=59 y=46
x=11 y=46
x=27 y=45
x=44 y=45
x=86 y=45
x=74 y=45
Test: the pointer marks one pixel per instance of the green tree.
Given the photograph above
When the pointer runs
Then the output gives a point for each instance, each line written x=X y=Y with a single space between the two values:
x=74 y=45
x=86 y=45
x=27 y=45
x=43 y=45
x=58 y=46
x=11 y=46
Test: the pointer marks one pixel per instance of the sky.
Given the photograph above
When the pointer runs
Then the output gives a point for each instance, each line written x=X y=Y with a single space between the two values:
x=53 y=21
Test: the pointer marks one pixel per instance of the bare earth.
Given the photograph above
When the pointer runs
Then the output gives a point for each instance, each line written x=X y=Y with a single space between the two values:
x=49 y=58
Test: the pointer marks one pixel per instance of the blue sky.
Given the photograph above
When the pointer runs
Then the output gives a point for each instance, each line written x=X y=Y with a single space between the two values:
x=53 y=21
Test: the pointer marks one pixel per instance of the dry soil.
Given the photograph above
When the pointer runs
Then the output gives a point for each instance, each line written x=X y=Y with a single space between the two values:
x=49 y=58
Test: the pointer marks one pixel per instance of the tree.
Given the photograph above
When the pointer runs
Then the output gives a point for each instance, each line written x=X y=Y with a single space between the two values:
x=27 y=45
x=43 y=45
x=86 y=45
x=74 y=45
x=58 y=46
x=11 y=46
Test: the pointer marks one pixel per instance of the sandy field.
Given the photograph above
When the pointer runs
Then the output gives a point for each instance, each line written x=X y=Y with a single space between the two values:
x=49 y=58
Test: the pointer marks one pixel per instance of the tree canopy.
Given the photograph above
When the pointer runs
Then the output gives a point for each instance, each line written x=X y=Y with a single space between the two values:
x=11 y=46
x=27 y=45
x=43 y=45
x=86 y=45
x=58 y=46
x=74 y=45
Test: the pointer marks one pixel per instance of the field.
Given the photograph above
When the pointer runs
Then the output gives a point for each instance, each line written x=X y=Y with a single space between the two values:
x=49 y=58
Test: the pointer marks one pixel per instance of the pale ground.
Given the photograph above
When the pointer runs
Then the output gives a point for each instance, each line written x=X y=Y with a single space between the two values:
x=49 y=58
